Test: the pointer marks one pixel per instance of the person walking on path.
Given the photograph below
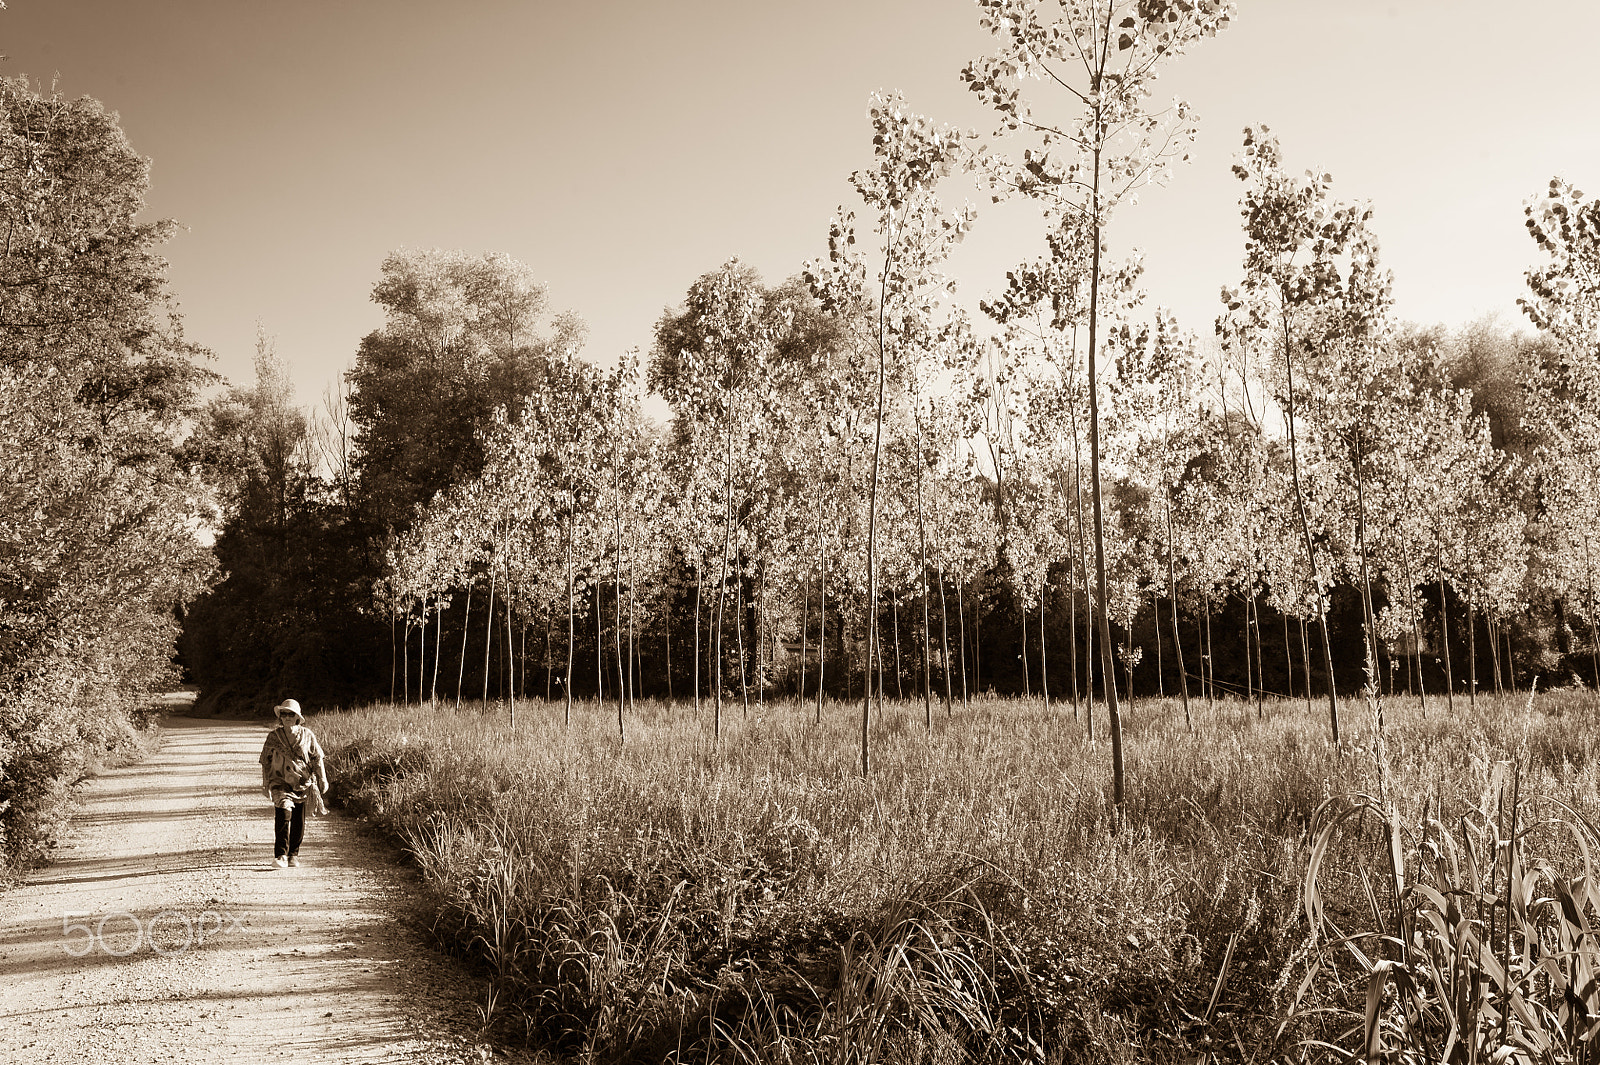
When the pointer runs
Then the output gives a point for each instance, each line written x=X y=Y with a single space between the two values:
x=292 y=774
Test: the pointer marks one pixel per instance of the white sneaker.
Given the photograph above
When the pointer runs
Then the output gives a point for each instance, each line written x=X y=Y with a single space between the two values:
x=280 y=862
x=293 y=860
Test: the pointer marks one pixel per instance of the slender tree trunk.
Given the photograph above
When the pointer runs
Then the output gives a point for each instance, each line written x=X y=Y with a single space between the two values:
x=877 y=641
x=977 y=646
x=1261 y=653
x=1305 y=660
x=1027 y=691
x=1113 y=715
x=616 y=599
x=431 y=677
x=1088 y=645
x=1172 y=591
x=894 y=612
x=1511 y=661
x=1131 y=614
x=961 y=616
x=405 y=663
x=1288 y=659
x=849 y=689
x=805 y=633
x=763 y=659
x=1072 y=600
x=738 y=632
x=549 y=650
x=1322 y=622
x=1210 y=662
x=922 y=551
x=666 y=643
x=822 y=582
x=1072 y=636
x=1409 y=671
x=1472 y=649
x=572 y=626
x=1044 y=668
x=1305 y=531
x=1594 y=625
x=944 y=639
x=439 y=643
x=438 y=647
x=872 y=503
x=1155 y=622
x=1369 y=621
x=1491 y=637
x=927 y=653
x=1416 y=632
x=1444 y=638
x=1252 y=637
x=599 y=650
x=1493 y=628
x=394 y=657
x=822 y=636
x=422 y=654
x=1088 y=640
x=511 y=661
x=722 y=587
x=698 y=573
x=1083 y=567
x=713 y=668
x=488 y=631
x=634 y=670
x=1249 y=668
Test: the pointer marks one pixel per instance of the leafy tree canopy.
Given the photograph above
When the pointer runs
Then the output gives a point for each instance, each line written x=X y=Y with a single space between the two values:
x=98 y=518
x=463 y=334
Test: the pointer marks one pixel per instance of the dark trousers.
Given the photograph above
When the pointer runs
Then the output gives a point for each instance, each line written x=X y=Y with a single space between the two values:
x=288 y=827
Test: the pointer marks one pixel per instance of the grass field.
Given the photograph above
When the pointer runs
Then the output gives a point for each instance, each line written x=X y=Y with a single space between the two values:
x=979 y=898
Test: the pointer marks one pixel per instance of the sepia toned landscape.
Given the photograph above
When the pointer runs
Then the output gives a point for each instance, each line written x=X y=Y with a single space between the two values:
x=1005 y=615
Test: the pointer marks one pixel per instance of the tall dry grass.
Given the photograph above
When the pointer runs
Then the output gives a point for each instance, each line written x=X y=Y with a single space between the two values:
x=979 y=898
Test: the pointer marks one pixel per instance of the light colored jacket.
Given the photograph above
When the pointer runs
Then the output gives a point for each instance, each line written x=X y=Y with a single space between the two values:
x=291 y=759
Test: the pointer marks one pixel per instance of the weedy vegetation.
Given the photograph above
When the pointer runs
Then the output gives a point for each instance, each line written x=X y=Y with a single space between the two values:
x=1424 y=893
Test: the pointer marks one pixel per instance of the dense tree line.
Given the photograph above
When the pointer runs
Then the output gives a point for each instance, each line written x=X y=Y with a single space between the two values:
x=310 y=500
x=862 y=489
x=100 y=511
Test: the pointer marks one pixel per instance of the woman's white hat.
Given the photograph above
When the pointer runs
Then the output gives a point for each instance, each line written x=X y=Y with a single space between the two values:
x=289 y=706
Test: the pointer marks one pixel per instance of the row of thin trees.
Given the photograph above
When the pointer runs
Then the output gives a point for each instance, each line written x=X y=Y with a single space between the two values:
x=854 y=430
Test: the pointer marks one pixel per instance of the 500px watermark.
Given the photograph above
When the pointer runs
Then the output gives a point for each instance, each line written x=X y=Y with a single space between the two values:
x=121 y=933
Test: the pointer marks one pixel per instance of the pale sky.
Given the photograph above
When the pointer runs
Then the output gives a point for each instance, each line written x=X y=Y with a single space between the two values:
x=622 y=148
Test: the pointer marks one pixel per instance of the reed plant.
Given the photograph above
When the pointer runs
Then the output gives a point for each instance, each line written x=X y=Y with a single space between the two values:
x=1477 y=938
x=978 y=898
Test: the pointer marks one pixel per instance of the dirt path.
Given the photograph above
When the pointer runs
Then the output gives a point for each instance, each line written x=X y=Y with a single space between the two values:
x=246 y=962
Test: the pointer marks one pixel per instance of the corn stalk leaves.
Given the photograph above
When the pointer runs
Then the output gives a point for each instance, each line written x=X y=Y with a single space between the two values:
x=1503 y=966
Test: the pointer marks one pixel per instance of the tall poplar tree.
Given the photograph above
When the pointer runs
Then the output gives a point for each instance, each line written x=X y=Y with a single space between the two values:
x=1104 y=55
x=911 y=155
x=1305 y=254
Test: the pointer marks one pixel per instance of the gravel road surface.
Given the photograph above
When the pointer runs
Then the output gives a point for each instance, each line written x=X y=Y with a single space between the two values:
x=164 y=933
